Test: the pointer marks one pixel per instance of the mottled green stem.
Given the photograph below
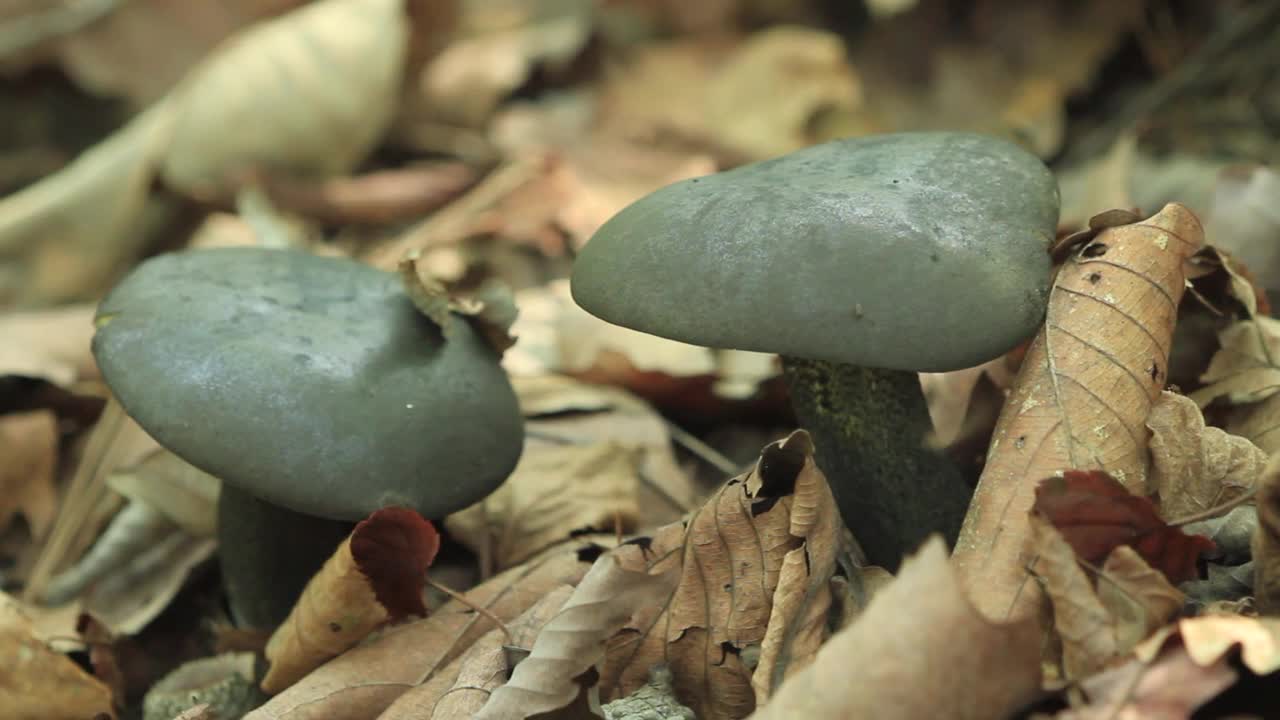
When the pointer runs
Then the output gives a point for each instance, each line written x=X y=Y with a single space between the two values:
x=268 y=554
x=868 y=426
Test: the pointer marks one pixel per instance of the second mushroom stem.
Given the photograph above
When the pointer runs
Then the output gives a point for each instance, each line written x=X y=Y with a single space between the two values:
x=869 y=427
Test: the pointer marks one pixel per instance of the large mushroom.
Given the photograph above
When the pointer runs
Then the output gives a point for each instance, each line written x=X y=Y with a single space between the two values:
x=316 y=390
x=861 y=262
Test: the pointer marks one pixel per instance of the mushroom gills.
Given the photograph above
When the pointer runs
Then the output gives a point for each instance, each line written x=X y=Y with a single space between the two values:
x=868 y=426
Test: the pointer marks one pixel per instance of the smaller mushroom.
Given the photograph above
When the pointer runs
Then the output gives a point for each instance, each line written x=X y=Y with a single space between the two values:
x=315 y=390
x=861 y=262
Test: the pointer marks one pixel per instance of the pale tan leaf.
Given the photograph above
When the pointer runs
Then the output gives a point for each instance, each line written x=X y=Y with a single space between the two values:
x=919 y=650
x=492 y=313
x=1244 y=370
x=364 y=681
x=554 y=490
x=344 y=60
x=37 y=683
x=1085 y=627
x=1266 y=540
x=1139 y=598
x=473 y=676
x=574 y=640
x=1259 y=422
x=1195 y=467
x=182 y=492
x=1086 y=385
x=1170 y=687
x=49 y=344
x=29 y=448
x=1209 y=638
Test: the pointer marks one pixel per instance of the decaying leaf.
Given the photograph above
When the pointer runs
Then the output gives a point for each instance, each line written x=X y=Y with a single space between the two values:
x=49 y=344
x=375 y=576
x=365 y=680
x=1086 y=385
x=1169 y=688
x=656 y=699
x=555 y=490
x=1096 y=515
x=37 y=683
x=1195 y=468
x=493 y=311
x=29 y=446
x=610 y=595
x=1082 y=623
x=1140 y=598
x=919 y=650
x=1266 y=540
x=461 y=689
x=1209 y=638
x=776 y=523
x=1244 y=370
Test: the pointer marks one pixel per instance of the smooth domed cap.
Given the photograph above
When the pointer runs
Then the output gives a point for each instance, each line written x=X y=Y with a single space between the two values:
x=313 y=383
x=911 y=251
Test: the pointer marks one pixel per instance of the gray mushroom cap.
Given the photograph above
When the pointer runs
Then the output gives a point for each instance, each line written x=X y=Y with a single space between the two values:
x=910 y=251
x=313 y=383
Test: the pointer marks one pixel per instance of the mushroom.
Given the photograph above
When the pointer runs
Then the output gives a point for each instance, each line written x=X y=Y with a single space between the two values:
x=861 y=262
x=315 y=390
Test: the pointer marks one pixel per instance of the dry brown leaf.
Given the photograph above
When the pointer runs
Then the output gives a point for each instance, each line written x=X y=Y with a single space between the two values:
x=491 y=313
x=29 y=448
x=919 y=650
x=37 y=683
x=950 y=394
x=1084 y=626
x=1086 y=385
x=1193 y=467
x=610 y=595
x=564 y=411
x=1208 y=639
x=1244 y=370
x=364 y=681
x=1140 y=598
x=1266 y=540
x=49 y=344
x=750 y=99
x=375 y=576
x=1169 y=688
x=461 y=689
x=556 y=489
x=756 y=531
x=140 y=49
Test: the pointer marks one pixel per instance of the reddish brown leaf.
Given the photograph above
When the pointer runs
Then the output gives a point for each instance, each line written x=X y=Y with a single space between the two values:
x=1096 y=514
x=393 y=547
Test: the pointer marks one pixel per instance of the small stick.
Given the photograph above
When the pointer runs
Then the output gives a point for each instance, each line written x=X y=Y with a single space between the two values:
x=506 y=632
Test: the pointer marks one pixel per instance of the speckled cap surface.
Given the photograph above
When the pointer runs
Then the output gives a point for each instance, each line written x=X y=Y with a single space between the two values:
x=910 y=251
x=311 y=382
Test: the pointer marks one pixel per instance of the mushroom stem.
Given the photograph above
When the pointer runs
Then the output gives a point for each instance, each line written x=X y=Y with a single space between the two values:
x=268 y=554
x=868 y=426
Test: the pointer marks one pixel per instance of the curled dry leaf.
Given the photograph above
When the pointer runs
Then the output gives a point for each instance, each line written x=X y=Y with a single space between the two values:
x=1209 y=639
x=37 y=683
x=1266 y=540
x=459 y=690
x=1139 y=597
x=365 y=680
x=29 y=446
x=1096 y=515
x=1244 y=370
x=1082 y=623
x=492 y=310
x=919 y=650
x=755 y=561
x=1195 y=468
x=574 y=640
x=1170 y=688
x=555 y=490
x=375 y=576
x=1084 y=390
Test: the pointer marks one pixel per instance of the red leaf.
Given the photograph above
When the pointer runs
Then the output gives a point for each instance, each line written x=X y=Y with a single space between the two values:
x=393 y=547
x=1096 y=514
